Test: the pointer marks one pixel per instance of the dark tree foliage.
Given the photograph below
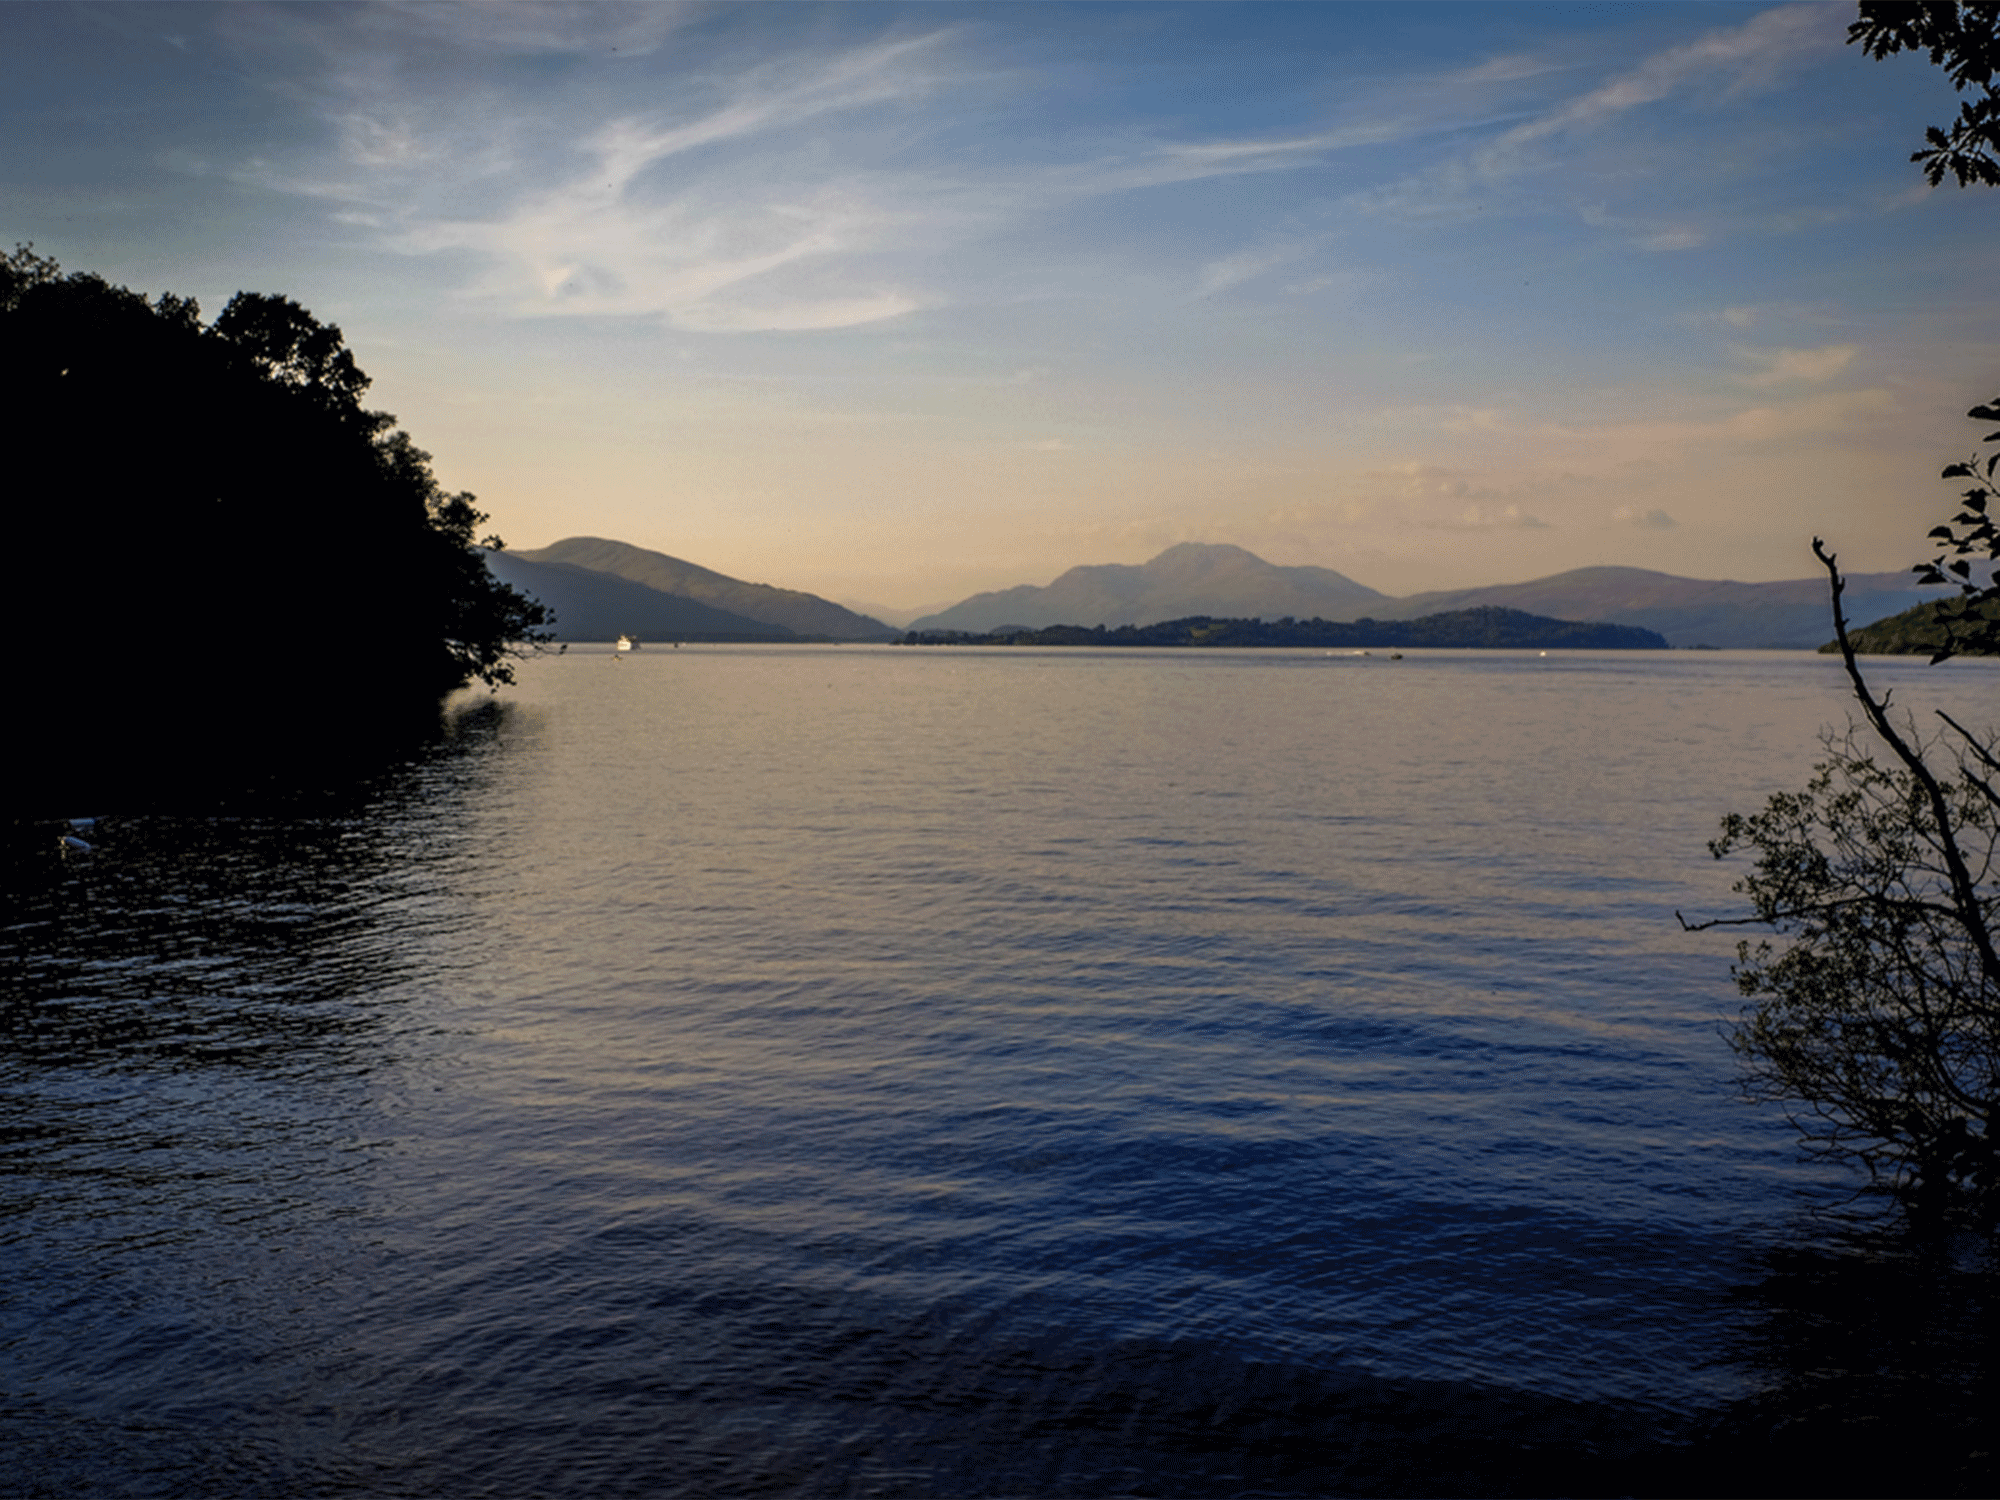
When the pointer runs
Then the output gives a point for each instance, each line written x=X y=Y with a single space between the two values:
x=1964 y=40
x=1914 y=632
x=1877 y=1023
x=217 y=553
x=1971 y=623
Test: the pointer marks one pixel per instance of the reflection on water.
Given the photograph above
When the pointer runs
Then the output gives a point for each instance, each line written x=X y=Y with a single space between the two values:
x=871 y=1072
x=200 y=1015
x=1876 y=1350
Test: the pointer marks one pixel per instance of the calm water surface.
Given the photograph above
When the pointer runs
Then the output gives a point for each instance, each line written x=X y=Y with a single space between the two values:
x=870 y=1070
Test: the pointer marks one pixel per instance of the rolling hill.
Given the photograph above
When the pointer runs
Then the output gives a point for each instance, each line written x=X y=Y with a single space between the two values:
x=1914 y=632
x=799 y=614
x=1790 y=614
x=593 y=606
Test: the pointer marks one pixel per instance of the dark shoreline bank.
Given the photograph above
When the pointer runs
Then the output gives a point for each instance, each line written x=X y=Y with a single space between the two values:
x=1474 y=629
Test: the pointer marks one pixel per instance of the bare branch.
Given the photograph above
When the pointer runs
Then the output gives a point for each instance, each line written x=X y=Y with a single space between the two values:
x=1964 y=897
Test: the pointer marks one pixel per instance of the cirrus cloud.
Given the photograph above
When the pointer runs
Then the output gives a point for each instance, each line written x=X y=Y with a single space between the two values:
x=1785 y=366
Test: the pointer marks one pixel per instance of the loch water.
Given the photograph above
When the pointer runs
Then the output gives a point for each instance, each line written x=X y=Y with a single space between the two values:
x=869 y=1070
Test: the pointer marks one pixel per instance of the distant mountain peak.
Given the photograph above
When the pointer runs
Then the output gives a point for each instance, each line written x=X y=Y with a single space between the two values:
x=1190 y=578
x=1204 y=551
x=1229 y=582
x=797 y=611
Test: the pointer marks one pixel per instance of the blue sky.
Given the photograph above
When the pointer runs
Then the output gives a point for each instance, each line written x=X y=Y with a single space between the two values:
x=894 y=303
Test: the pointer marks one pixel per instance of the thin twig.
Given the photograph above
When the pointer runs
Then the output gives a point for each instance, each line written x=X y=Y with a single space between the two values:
x=1984 y=755
x=1965 y=896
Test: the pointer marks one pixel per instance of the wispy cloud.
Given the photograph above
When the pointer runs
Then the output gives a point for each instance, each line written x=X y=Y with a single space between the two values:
x=801 y=189
x=1653 y=519
x=1736 y=60
x=1250 y=263
x=699 y=256
x=1825 y=413
x=1858 y=415
x=1274 y=155
x=782 y=94
x=1727 y=63
x=785 y=196
x=728 y=218
x=1497 y=518
x=1437 y=497
x=1646 y=234
x=1509 y=67
x=528 y=27
x=1788 y=366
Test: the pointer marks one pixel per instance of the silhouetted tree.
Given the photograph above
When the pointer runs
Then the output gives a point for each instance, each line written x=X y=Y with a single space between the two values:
x=1878 y=1021
x=217 y=552
x=1969 y=621
x=1964 y=40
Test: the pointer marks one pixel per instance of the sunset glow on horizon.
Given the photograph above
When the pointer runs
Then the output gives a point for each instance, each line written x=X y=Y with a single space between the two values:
x=895 y=303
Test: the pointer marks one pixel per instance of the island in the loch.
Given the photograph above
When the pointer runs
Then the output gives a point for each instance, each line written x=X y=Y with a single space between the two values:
x=1921 y=630
x=1480 y=629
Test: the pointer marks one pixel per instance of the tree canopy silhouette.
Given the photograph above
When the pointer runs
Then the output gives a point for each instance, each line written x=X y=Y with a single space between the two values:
x=1964 y=40
x=1970 y=622
x=218 y=552
x=1878 y=1021
x=1877 y=1024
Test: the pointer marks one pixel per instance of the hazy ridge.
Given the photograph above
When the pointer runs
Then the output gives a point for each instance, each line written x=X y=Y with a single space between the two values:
x=1195 y=578
x=594 y=606
x=1786 y=614
x=601 y=588
x=1485 y=627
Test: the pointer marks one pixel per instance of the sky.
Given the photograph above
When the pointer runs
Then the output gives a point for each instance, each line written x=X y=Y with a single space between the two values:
x=895 y=303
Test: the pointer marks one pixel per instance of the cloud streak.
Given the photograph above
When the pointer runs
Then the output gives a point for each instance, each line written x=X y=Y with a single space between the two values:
x=790 y=199
x=747 y=241
x=1249 y=264
x=1730 y=63
x=1654 y=519
x=1776 y=367
x=1738 y=59
x=787 y=196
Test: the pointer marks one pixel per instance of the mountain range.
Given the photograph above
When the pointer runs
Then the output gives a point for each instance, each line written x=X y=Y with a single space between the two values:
x=1784 y=615
x=1192 y=579
x=601 y=589
x=1485 y=628
x=1195 y=578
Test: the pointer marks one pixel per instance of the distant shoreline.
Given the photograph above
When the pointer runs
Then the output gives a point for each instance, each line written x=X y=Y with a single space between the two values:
x=1487 y=628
